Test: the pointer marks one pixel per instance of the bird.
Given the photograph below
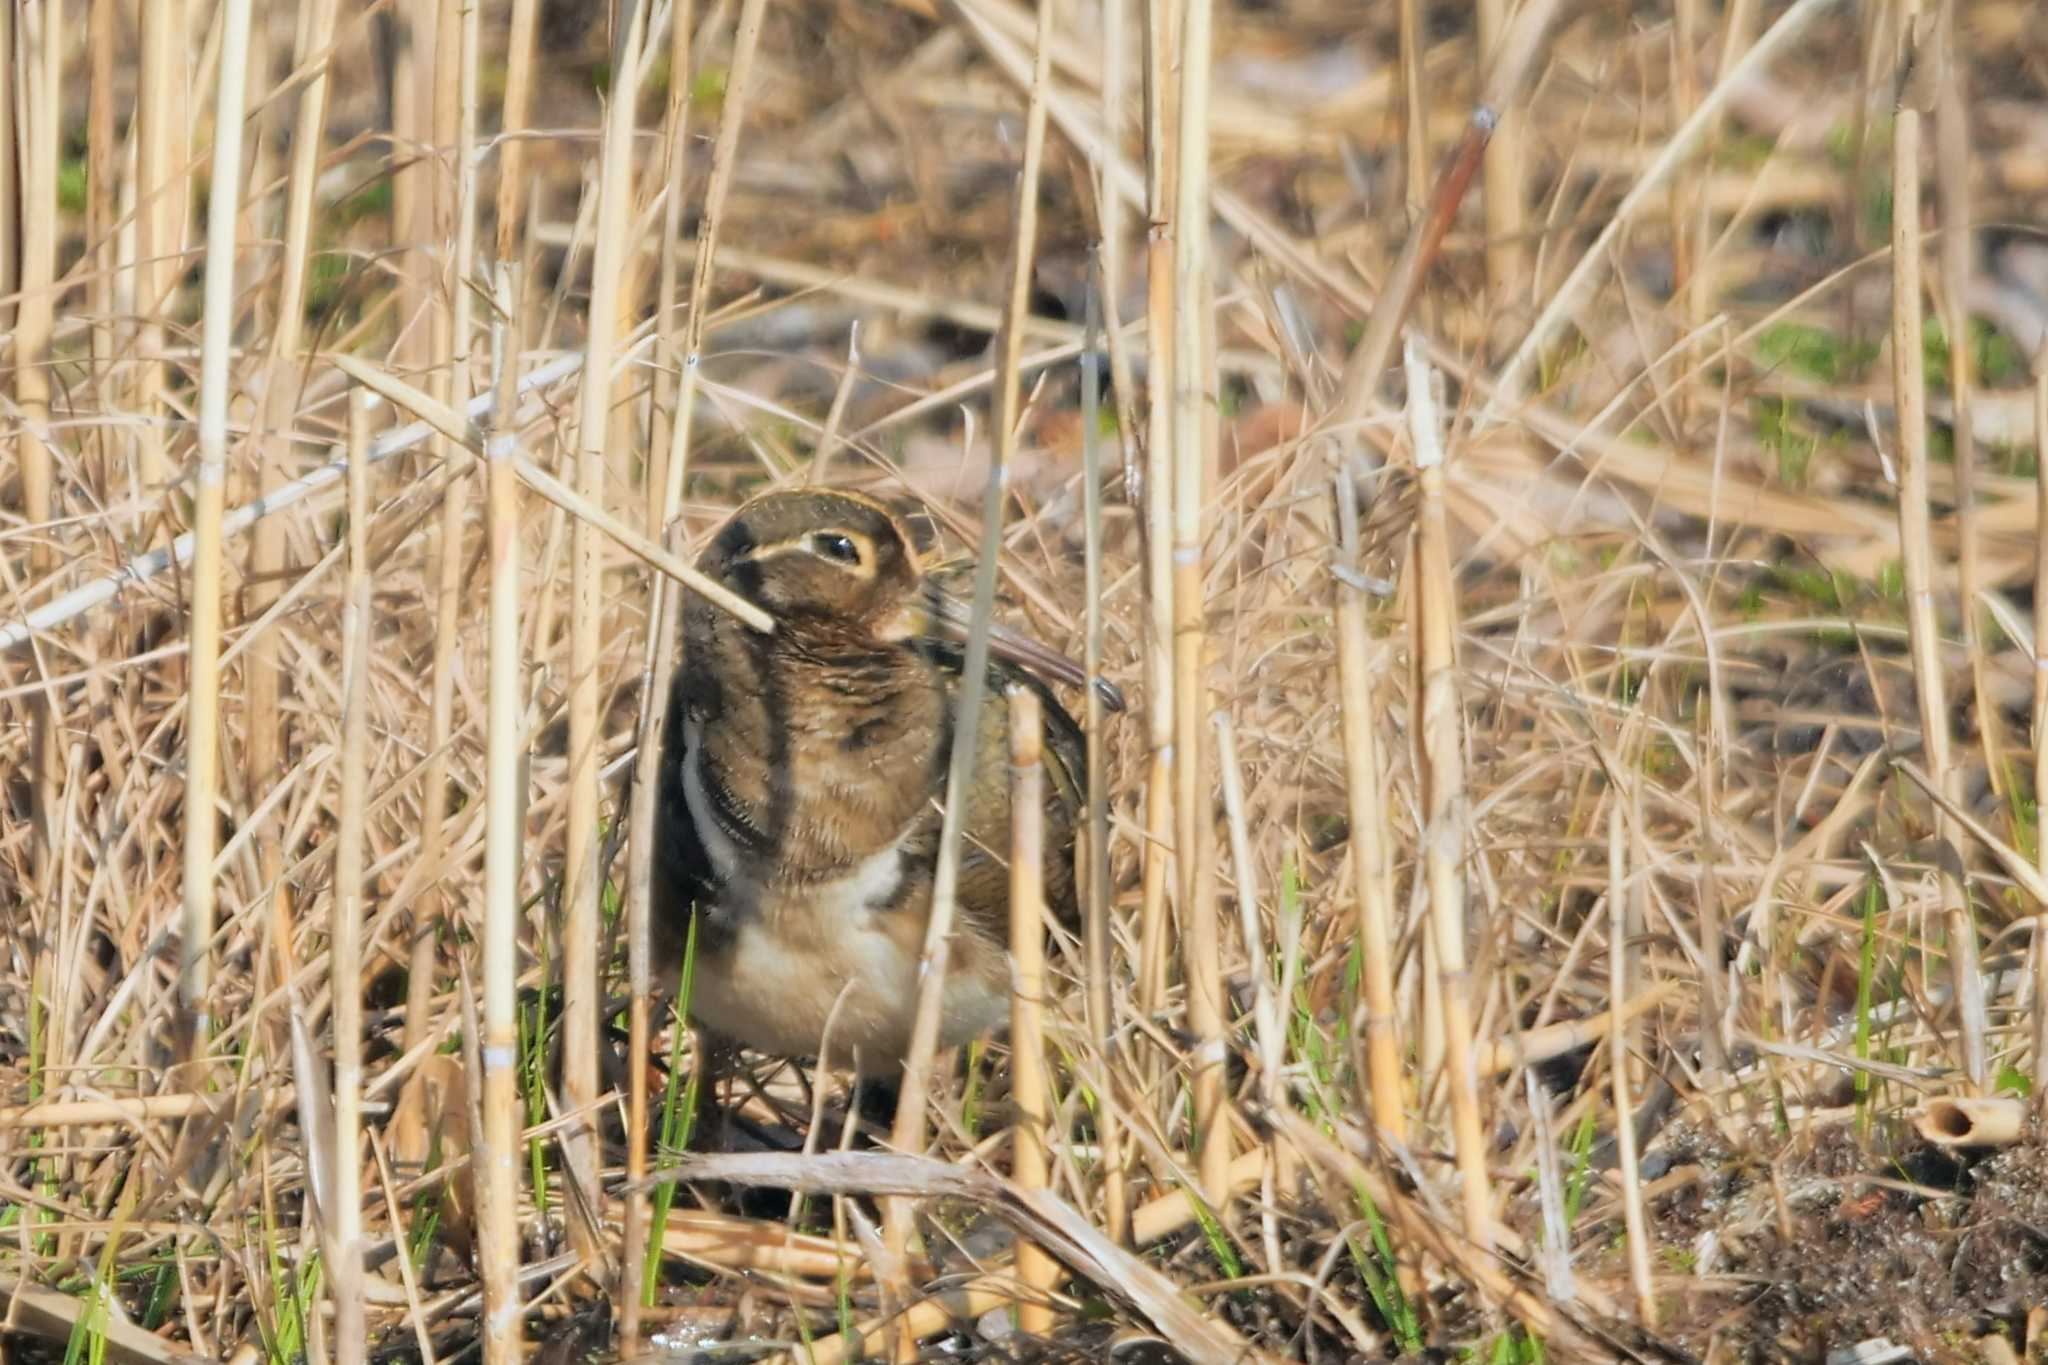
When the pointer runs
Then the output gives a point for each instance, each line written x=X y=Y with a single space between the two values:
x=802 y=780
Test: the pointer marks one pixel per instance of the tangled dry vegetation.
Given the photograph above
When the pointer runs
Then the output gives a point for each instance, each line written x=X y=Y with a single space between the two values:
x=1611 y=924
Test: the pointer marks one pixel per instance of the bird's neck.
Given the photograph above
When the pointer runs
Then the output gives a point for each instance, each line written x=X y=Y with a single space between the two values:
x=824 y=753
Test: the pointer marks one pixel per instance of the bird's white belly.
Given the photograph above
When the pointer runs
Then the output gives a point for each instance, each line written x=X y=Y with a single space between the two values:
x=792 y=955
x=776 y=993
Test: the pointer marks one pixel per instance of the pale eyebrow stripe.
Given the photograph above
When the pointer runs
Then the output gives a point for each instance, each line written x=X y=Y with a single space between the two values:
x=774 y=548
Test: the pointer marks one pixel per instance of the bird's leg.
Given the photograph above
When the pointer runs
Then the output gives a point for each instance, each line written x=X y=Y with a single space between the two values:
x=717 y=1062
x=874 y=1099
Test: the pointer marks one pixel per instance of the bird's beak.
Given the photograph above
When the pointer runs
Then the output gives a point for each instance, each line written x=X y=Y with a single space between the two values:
x=950 y=616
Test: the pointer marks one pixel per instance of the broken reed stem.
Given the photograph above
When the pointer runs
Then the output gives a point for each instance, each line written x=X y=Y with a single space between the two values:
x=1916 y=545
x=1414 y=41
x=1618 y=1062
x=1446 y=837
x=202 y=717
x=1507 y=254
x=582 y=924
x=504 y=823
x=1037 y=1272
x=1193 y=430
x=1371 y=840
x=2040 y=1091
x=1098 y=929
x=908 y=1134
x=345 y=941
x=1153 y=924
x=510 y=148
x=1109 y=204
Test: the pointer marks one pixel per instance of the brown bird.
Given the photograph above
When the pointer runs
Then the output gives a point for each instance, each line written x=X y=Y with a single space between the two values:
x=803 y=776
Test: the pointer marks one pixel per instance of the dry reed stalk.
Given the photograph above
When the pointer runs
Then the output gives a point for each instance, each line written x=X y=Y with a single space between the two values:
x=1036 y=1214
x=1618 y=1061
x=1413 y=39
x=505 y=810
x=674 y=463
x=1913 y=71
x=1570 y=293
x=1359 y=388
x=582 y=928
x=414 y=29
x=2008 y=858
x=1688 y=217
x=2040 y=727
x=1952 y=163
x=453 y=209
x=1372 y=840
x=958 y=1303
x=1713 y=973
x=1737 y=22
x=675 y=160
x=1109 y=207
x=35 y=82
x=724 y=153
x=908 y=1134
x=666 y=471
x=345 y=932
x=1975 y=1121
x=1447 y=817
x=394 y=1218
x=202 y=718
x=1098 y=929
x=1193 y=461
x=1161 y=148
x=160 y=200
x=143 y=567
x=1037 y=1273
x=631 y=541
x=137 y=1109
x=511 y=150
x=10 y=185
x=264 y=675
x=449 y=422
x=1508 y=280
x=1415 y=1226
x=39 y=60
x=1267 y=1029
x=663 y=506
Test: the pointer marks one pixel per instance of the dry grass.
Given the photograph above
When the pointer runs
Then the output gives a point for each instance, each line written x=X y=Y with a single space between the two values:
x=1574 y=873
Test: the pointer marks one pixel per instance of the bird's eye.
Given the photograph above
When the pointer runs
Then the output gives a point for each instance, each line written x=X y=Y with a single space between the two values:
x=832 y=545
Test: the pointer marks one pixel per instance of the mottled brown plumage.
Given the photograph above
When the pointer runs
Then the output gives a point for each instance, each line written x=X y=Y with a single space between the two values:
x=802 y=777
